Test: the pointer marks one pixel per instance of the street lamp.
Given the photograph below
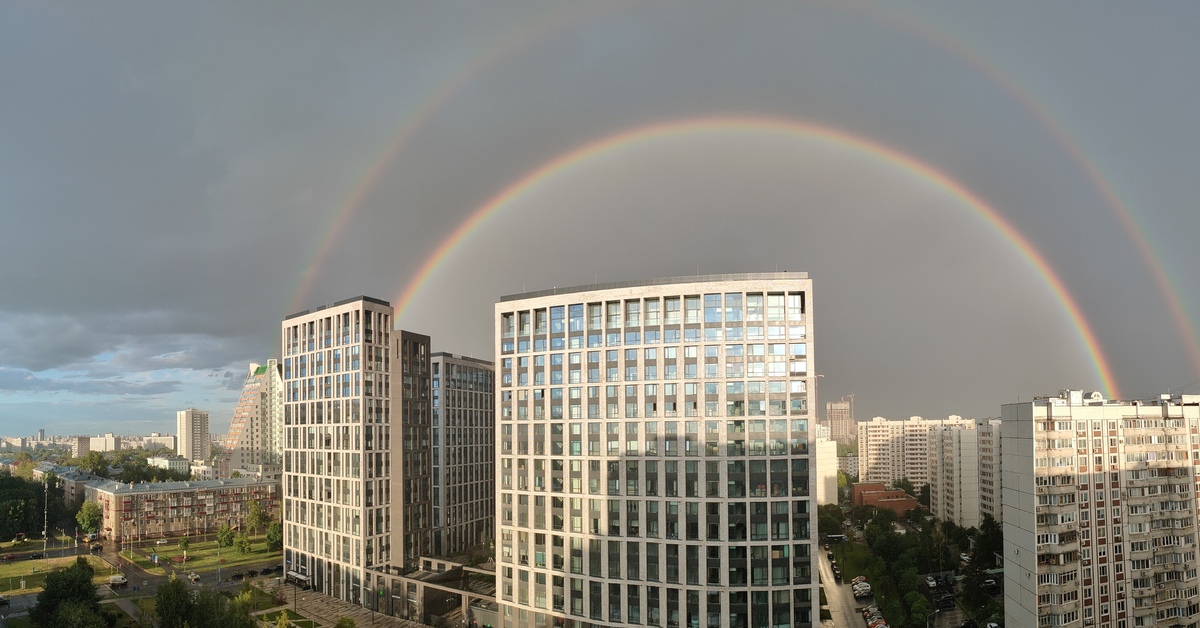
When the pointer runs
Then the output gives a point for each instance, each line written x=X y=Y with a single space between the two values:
x=930 y=617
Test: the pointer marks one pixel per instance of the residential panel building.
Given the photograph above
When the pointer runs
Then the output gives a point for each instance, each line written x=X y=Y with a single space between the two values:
x=954 y=473
x=1100 y=511
x=464 y=445
x=166 y=509
x=654 y=462
x=891 y=450
x=990 y=477
x=192 y=434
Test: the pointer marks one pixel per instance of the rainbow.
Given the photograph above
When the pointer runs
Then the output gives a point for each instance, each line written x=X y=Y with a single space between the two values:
x=581 y=155
x=955 y=49
x=507 y=47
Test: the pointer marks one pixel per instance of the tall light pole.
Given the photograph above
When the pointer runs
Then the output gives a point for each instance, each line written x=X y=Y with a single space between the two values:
x=46 y=515
x=930 y=617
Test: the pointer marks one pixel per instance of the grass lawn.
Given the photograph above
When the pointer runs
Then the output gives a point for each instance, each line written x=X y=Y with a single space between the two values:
x=202 y=555
x=20 y=622
x=12 y=573
x=295 y=618
x=116 y=617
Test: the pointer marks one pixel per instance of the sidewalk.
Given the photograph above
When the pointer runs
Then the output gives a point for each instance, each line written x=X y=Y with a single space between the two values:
x=326 y=610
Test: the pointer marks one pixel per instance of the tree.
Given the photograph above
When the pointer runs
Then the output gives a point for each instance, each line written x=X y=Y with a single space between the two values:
x=95 y=463
x=344 y=622
x=274 y=536
x=184 y=544
x=906 y=485
x=923 y=498
x=256 y=518
x=76 y=614
x=225 y=536
x=989 y=542
x=25 y=470
x=283 y=621
x=71 y=585
x=243 y=543
x=173 y=603
x=90 y=516
x=829 y=519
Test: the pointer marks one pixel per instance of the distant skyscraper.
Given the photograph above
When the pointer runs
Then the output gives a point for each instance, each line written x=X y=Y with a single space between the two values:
x=840 y=417
x=654 y=448
x=254 y=443
x=891 y=450
x=1100 y=511
x=193 y=438
x=464 y=445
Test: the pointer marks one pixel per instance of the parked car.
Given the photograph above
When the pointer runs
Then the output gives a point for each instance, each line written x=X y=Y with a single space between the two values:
x=251 y=573
x=161 y=542
x=858 y=579
x=930 y=582
x=118 y=582
x=96 y=547
x=944 y=601
x=237 y=576
x=36 y=556
x=8 y=557
x=965 y=557
x=3 y=601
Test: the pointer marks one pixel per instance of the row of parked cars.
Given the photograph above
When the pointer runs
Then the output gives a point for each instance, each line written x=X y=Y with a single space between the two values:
x=862 y=589
x=874 y=617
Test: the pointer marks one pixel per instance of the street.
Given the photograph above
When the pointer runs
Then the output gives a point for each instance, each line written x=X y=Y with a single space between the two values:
x=842 y=605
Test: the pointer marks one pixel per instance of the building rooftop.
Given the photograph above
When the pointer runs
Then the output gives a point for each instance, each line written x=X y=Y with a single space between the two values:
x=112 y=486
x=655 y=282
x=362 y=297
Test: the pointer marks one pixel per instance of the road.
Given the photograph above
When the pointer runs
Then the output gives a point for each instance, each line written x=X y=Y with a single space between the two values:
x=840 y=597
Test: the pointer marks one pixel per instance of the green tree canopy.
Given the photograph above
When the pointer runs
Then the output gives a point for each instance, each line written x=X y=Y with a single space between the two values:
x=173 y=603
x=274 y=536
x=71 y=585
x=225 y=536
x=242 y=542
x=906 y=485
x=257 y=518
x=89 y=517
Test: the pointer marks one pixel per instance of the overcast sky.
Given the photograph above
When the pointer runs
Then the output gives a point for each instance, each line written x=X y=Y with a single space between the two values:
x=171 y=177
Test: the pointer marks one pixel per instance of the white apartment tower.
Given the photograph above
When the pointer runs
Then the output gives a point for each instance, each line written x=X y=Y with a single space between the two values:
x=356 y=463
x=654 y=465
x=254 y=443
x=954 y=473
x=193 y=439
x=464 y=446
x=891 y=450
x=990 y=476
x=1100 y=511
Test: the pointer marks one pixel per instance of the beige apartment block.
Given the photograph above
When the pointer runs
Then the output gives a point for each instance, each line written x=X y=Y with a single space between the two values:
x=171 y=509
x=1100 y=511
x=654 y=463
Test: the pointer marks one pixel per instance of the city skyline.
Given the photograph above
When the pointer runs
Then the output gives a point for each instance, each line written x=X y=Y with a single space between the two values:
x=994 y=201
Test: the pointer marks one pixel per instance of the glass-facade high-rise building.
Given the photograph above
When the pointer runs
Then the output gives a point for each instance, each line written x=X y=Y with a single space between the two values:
x=653 y=459
x=464 y=447
x=356 y=475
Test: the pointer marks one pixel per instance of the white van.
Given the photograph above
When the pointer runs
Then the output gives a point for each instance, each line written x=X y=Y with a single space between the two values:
x=117 y=582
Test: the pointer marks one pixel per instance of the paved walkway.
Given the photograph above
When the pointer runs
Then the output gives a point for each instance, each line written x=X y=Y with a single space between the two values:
x=326 y=610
